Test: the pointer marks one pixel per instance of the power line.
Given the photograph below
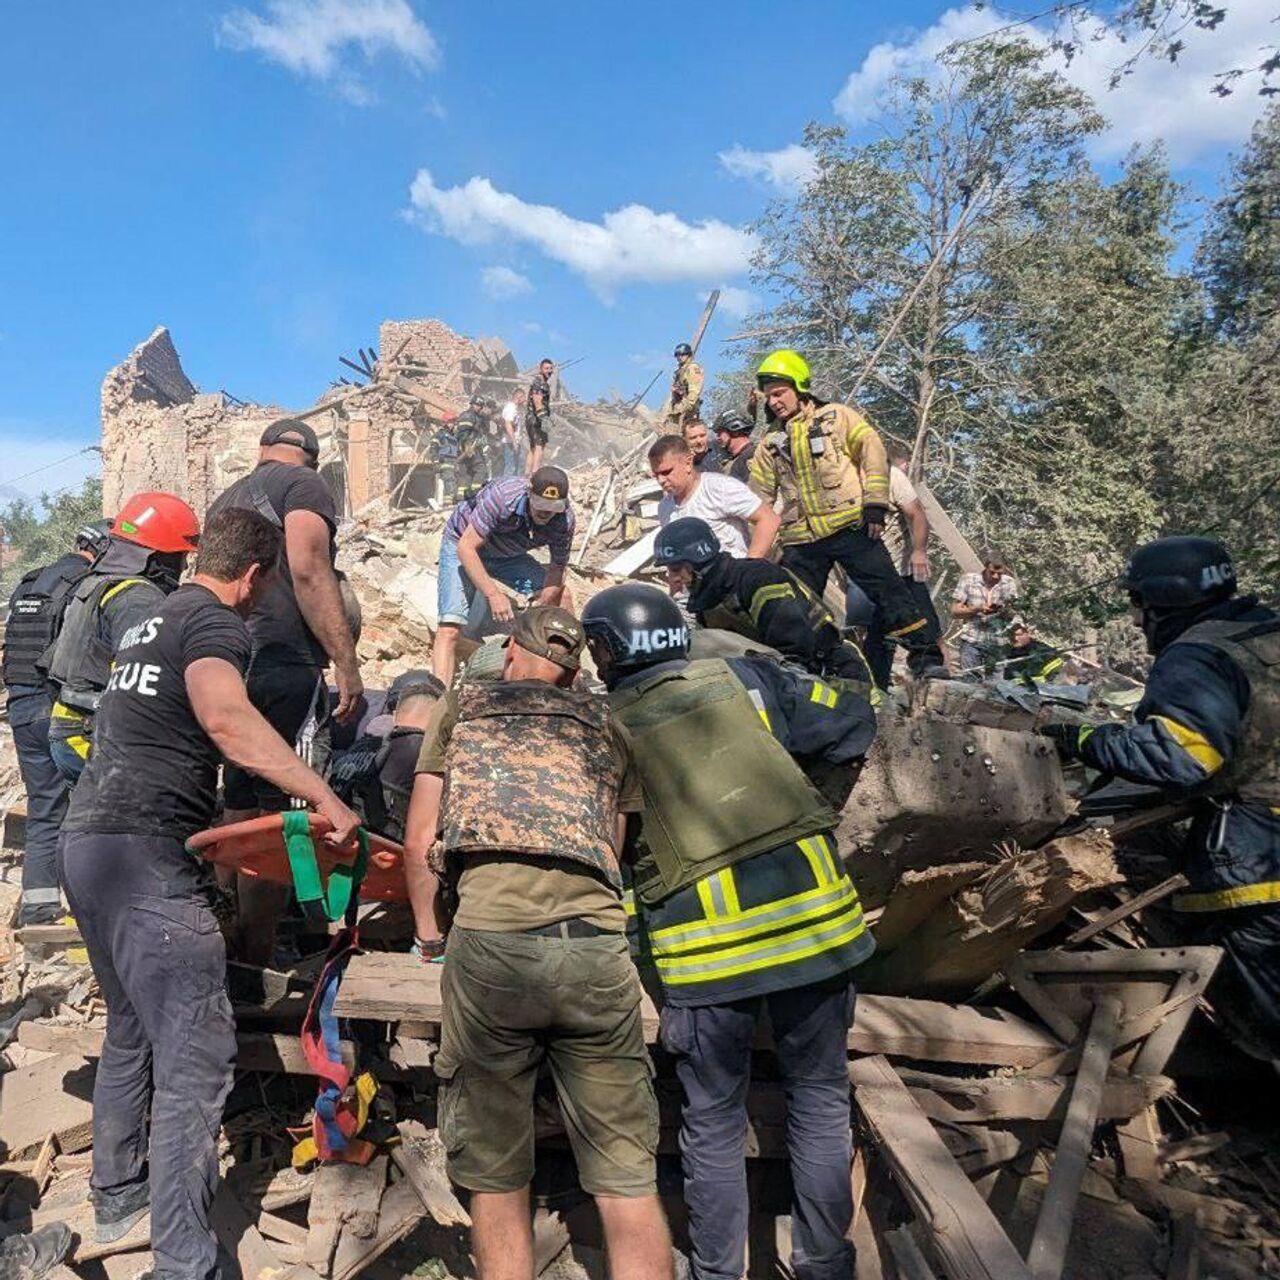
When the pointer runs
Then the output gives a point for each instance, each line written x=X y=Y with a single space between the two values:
x=89 y=448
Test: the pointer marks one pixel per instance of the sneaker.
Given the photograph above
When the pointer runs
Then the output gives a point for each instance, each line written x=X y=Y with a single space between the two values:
x=116 y=1214
x=28 y=1257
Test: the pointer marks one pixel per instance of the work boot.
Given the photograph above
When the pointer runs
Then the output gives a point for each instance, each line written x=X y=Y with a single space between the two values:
x=28 y=1257
x=116 y=1213
x=41 y=913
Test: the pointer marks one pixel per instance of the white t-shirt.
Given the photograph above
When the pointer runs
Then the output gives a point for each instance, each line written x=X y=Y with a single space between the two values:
x=724 y=503
x=509 y=411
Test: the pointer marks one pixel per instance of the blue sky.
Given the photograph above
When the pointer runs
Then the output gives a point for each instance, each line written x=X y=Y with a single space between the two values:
x=272 y=179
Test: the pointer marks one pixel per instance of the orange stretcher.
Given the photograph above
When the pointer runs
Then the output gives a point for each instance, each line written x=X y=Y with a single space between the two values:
x=287 y=848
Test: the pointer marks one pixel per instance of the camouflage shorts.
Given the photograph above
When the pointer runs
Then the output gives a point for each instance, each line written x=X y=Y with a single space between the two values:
x=513 y=1001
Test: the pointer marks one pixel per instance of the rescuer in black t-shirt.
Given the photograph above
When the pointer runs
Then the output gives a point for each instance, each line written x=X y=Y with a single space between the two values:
x=174 y=705
x=298 y=627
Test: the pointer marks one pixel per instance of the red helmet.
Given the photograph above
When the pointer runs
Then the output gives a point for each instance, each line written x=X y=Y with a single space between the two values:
x=158 y=521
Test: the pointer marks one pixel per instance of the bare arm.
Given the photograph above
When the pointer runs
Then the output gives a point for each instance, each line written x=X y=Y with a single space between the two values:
x=306 y=540
x=918 y=522
x=420 y=833
x=552 y=586
x=469 y=557
x=764 y=522
x=959 y=610
x=221 y=705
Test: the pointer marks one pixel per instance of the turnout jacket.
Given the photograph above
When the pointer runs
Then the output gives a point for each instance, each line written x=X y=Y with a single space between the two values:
x=1207 y=730
x=829 y=464
x=765 y=602
x=781 y=917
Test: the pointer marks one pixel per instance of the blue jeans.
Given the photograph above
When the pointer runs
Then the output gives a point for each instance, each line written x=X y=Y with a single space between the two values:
x=712 y=1048
x=46 y=806
x=510 y=458
x=457 y=599
x=69 y=761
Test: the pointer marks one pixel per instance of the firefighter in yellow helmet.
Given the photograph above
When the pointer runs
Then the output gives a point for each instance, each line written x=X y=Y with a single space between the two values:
x=829 y=465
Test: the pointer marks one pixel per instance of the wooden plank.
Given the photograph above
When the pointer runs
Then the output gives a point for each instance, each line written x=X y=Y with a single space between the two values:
x=420 y=1157
x=49 y=935
x=238 y=1235
x=282 y=1230
x=358 y=473
x=1003 y=1099
x=962 y=1231
x=1127 y=909
x=401 y=1212
x=255 y=1050
x=392 y=986
x=344 y=1203
x=53 y=1096
x=944 y=529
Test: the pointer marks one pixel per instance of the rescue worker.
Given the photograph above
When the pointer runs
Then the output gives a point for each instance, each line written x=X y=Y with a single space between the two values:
x=175 y=705
x=444 y=456
x=757 y=599
x=1028 y=658
x=706 y=453
x=472 y=431
x=35 y=615
x=829 y=466
x=375 y=774
x=487 y=546
x=528 y=784
x=537 y=414
x=908 y=546
x=745 y=906
x=733 y=431
x=300 y=624
x=145 y=554
x=1208 y=731
x=684 y=401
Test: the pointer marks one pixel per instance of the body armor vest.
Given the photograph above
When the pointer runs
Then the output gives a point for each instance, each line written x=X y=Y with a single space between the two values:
x=1253 y=773
x=35 y=614
x=718 y=786
x=530 y=769
x=80 y=660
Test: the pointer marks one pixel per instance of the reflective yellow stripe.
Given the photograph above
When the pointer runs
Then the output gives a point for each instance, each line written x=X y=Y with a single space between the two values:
x=769 y=592
x=729 y=891
x=820 y=865
x=61 y=712
x=708 y=902
x=629 y=902
x=829 y=856
x=823 y=694
x=1196 y=745
x=78 y=744
x=757 y=701
x=902 y=631
x=119 y=587
x=767 y=916
x=1242 y=895
x=771 y=953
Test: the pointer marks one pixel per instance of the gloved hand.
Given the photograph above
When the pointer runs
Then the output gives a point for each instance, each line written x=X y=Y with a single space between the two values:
x=1067 y=738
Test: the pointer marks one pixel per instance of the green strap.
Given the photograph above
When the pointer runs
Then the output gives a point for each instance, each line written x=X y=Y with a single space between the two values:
x=344 y=880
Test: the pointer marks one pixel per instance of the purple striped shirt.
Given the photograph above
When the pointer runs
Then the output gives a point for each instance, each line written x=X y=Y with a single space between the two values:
x=499 y=513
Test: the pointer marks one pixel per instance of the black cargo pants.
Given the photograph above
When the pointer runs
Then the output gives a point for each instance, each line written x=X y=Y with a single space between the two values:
x=879 y=648
x=868 y=564
x=170 y=1049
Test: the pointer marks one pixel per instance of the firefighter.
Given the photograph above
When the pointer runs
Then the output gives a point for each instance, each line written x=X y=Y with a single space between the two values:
x=472 y=431
x=684 y=402
x=744 y=906
x=829 y=465
x=1208 y=730
x=757 y=599
x=733 y=431
x=145 y=554
x=444 y=456
x=35 y=615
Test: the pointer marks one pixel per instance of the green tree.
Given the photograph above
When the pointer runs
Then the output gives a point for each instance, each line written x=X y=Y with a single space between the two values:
x=39 y=537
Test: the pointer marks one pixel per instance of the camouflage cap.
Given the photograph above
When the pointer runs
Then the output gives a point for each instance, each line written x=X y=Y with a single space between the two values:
x=551 y=633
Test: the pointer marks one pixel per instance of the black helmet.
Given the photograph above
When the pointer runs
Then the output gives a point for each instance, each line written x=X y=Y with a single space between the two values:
x=684 y=349
x=1180 y=573
x=477 y=401
x=735 y=422
x=94 y=536
x=637 y=625
x=688 y=541
x=490 y=405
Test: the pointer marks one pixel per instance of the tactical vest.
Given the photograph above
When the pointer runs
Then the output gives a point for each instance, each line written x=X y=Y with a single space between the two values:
x=35 y=614
x=80 y=660
x=1253 y=772
x=530 y=769
x=718 y=786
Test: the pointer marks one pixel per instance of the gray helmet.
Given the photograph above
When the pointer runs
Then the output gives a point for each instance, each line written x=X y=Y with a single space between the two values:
x=735 y=422
x=94 y=536
x=689 y=541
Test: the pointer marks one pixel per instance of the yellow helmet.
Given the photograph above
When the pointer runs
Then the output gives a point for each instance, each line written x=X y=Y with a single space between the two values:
x=784 y=366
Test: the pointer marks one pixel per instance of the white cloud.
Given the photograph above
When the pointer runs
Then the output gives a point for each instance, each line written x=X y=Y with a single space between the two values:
x=502 y=282
x=314 y=37
x=1159 y=100
x=788 y=169
x=734 y=302
x=44 y=457
x=651 y=361
x=630 y=244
